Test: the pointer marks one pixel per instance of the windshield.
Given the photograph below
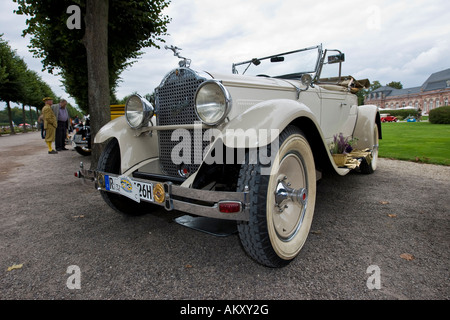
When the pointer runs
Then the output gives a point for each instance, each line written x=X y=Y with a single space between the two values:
x=288 y=65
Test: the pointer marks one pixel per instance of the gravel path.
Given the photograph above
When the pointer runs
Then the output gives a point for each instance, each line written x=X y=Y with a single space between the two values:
x=395 y=222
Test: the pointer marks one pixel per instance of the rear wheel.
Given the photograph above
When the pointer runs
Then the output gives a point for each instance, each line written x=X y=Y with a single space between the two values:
x=282 y=203
x=109 y=161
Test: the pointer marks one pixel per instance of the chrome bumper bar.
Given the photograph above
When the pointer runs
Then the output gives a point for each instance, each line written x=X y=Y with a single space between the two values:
x=212 y=204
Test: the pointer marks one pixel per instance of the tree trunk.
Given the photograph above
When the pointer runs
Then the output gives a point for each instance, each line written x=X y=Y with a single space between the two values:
x=11 y=126
x=31 y=119
x=96 y=42
x=24 y=119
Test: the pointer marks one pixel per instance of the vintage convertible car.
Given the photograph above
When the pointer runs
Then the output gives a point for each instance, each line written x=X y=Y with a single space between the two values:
x=247 y=146
x=388 y=118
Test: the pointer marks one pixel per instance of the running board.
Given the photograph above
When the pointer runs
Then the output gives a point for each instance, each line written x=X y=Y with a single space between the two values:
x=215 y=227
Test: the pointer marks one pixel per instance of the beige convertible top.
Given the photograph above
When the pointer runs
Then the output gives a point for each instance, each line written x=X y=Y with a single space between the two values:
x=344 y=83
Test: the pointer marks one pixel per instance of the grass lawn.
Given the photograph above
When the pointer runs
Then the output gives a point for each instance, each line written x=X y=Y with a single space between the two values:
x=416 y=141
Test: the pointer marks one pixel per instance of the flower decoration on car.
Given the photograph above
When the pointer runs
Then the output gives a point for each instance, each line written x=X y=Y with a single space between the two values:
x=341 y=144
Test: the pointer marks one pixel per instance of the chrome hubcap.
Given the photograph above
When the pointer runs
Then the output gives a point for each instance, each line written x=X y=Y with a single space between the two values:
x=284 y=194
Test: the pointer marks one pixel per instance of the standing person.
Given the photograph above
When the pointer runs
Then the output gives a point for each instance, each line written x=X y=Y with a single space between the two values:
x=41 y=125
x=62 y=115
x=50 y=124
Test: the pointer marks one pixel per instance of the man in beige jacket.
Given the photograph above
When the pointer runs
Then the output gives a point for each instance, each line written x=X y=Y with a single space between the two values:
x=50 y=124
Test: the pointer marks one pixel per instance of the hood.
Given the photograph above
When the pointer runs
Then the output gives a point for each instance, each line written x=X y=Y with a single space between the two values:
x=243 y=81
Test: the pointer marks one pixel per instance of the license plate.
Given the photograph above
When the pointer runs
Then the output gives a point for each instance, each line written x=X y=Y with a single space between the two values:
x=135 y=190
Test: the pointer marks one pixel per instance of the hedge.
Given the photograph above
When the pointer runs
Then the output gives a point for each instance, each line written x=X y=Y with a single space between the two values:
x=440 y=115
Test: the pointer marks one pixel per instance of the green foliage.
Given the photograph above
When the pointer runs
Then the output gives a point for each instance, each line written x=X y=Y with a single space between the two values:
x=16 y=113
x=12 y=70
x=17 y=82
x=395 y=85
x=364 y=92
x=416 y=141
x=133 y=25
x=440 y=115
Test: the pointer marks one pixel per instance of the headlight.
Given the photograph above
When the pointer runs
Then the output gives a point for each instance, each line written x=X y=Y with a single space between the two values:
x=138 y=111
x=212 y=102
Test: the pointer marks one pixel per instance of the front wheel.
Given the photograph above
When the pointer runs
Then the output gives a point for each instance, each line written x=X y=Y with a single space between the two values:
x=83 y=151
x=109 y=161
x=282 y=203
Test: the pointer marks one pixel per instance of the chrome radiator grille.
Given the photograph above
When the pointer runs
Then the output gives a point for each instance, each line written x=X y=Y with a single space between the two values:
x=175 y=105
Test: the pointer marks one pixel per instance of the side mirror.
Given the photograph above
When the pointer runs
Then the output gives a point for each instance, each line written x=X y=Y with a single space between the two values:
x=256 y=61
x=336 y=58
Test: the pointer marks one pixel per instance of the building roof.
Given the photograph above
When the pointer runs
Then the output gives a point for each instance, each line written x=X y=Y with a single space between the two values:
x=392 y=92
x=436 y=81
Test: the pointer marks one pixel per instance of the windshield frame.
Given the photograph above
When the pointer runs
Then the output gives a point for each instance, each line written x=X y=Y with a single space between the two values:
x=294 y=75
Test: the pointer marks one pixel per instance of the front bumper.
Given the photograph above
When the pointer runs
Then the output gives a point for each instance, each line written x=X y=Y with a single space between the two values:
x=212 y=204
x=78 y=140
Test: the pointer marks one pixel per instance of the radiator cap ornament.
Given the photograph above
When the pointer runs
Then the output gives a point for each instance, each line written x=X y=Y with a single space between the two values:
x=184 y=61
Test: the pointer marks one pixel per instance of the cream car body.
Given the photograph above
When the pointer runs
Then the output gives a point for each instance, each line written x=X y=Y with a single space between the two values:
x=271 y=104
x=300 y=112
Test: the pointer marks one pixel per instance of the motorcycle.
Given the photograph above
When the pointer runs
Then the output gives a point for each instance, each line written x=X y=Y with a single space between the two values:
x=81 y=140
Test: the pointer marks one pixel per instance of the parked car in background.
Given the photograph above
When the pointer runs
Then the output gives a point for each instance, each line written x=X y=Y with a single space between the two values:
x=411 y=118
x=388 y=118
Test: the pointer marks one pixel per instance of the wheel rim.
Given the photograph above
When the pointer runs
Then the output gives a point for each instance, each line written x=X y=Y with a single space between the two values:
x=291 y=197
x=291 y=184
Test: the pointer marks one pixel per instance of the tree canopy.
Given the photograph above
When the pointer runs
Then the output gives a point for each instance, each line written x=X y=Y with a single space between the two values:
x=18 y=83
x=395 y=84
x=364 y=92
x=132 y=26
x=12 y=68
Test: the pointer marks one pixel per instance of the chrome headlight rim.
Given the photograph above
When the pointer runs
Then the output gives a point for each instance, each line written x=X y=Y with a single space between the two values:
x=146 y=108
x=227 y=102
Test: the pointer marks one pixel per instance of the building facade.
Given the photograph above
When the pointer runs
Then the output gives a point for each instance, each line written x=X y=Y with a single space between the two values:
x=434 y=93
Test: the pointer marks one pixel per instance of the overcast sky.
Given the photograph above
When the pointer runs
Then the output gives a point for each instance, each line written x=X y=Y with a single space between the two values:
x=388 y=41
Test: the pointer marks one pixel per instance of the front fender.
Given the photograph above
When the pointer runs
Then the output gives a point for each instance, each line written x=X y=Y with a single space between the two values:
x=261 y=124
x=134 y=148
